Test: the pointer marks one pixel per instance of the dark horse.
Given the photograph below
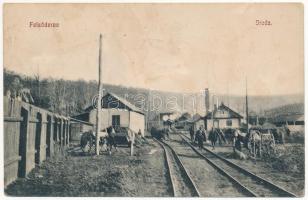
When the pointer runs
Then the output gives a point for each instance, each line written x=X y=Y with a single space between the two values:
x=111 y=142
x=87 y=141
x=229 y=135
x=216 y=134
x=159 y=133
x=280 y=133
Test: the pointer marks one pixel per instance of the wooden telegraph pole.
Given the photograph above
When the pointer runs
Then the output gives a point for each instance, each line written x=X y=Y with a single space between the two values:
x=99 y=100
x=247 y=117
x=213 y=112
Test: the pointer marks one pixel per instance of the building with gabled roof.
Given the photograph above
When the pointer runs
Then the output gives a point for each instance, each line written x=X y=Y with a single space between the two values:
x=223 y=117
x=291 y=116
x=117 y=112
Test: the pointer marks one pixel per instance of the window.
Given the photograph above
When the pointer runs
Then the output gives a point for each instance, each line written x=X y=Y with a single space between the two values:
x=229 y=122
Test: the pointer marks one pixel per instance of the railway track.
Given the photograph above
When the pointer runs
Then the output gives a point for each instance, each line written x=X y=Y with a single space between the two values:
x=207 y=180
x=250 y=183
x=181 y=183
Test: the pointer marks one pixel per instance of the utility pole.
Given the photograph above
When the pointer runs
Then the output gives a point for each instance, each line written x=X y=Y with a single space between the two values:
x=148 y=110
x=247 y=117
x=214 y=109
x=206 y=100
x=38 y=85
x=206 y=105
x=99 y=100
x=228 y=97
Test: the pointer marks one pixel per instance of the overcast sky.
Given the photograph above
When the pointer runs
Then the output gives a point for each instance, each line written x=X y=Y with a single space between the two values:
x=180 y=47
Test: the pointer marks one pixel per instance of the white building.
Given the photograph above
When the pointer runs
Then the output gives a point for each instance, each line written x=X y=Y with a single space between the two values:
x=223 y=117
x=117 y=112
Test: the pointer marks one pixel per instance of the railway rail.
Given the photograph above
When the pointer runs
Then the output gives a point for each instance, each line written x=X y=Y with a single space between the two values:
x=251 y=184
x=208 y=181
x=182 y=184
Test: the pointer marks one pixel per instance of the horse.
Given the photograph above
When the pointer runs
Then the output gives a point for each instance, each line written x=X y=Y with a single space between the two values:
x=239 y=135
x=216 y=134
x=87 y=141
x=280 y=133
x=250 y=140
x=229 y=135
x=111 y=139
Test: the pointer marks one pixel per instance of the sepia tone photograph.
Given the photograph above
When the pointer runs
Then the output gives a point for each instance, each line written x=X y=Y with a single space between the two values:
x=153 y=100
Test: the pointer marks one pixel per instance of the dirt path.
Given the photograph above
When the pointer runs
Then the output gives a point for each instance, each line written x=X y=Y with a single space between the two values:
x=104 y=175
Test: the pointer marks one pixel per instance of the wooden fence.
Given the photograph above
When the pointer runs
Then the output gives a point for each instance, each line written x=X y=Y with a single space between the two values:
x=31 y=135
x=77 y=127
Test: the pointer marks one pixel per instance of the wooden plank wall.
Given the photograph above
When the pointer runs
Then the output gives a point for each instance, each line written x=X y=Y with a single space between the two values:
x=77 y=128
x=31 y=135
x=11 y=126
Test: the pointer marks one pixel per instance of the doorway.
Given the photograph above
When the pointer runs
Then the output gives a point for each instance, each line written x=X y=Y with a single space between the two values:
x=216 y=123
x=116 y=120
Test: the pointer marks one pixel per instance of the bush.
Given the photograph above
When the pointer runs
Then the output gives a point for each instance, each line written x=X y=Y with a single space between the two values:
x=296 y=137
x=287 y=158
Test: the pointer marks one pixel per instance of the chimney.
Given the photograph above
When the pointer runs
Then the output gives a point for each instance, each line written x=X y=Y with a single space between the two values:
x=215 y=107
x=207 y=100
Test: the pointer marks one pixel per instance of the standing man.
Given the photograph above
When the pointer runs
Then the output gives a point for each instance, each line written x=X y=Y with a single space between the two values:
x=192 y=134
x=139 y=133
x=200 y=137
x=203 y=133
x=167 y=133
x=237 y=147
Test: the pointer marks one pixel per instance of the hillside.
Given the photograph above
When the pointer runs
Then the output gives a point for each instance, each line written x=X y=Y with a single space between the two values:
x=72 y=97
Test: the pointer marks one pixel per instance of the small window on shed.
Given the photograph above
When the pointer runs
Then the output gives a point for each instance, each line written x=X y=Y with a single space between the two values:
x=229 y=122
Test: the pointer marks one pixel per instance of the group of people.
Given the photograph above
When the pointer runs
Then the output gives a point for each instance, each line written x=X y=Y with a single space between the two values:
x=111 y=141
x=199 y=137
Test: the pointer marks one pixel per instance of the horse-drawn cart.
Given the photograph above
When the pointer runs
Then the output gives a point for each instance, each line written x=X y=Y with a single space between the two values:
x=87 y=140
x=118 y=136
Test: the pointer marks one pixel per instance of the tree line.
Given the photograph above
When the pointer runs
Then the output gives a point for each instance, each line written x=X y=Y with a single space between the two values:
x=57 y=95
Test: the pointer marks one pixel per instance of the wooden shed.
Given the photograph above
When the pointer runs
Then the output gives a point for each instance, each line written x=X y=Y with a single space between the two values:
x=117 y=112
